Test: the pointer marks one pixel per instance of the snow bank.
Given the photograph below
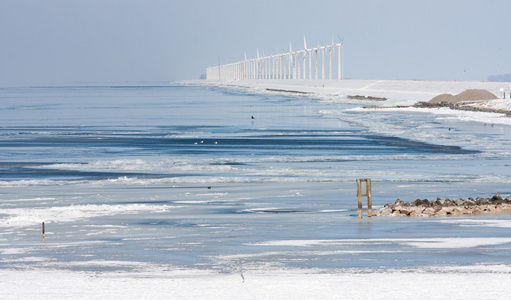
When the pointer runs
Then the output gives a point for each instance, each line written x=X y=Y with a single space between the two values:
x=487 y=282
x=392 y=89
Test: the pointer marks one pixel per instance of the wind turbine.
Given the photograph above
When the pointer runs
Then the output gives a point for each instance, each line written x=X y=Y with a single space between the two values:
x=292 y=62
x=316 y=62
x=304 y=54
x=279 y=64
x=244 y=65
x=330 y=59
x=340 y=57
x=264 y=67
x=323 y=62
x=258 y=66
x=309 y=53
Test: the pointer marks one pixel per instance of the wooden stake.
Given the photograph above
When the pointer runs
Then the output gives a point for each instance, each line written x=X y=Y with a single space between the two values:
x=359 y=195
x=369 y=198
x=364 y=189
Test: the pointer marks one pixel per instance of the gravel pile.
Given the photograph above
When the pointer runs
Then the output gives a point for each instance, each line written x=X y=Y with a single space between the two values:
x=468 y=95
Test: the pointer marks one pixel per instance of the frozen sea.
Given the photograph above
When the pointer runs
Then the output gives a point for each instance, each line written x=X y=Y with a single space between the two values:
x=217 y=188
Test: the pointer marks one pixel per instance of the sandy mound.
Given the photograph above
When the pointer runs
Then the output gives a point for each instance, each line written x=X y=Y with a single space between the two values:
x=468 y=95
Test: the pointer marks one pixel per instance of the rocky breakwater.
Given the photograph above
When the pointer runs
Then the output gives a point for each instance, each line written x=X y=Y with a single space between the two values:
x=444 y=207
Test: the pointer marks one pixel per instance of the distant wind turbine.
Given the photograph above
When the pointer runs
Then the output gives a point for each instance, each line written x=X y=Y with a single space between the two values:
x=340 y=58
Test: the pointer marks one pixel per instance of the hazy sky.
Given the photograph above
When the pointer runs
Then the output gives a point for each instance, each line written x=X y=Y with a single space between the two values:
x=116 y=41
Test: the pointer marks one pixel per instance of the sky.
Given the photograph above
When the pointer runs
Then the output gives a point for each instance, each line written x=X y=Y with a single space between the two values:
x=63 y=42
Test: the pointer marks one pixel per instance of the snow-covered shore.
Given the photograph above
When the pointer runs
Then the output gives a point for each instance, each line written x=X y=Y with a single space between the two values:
x=487 y=282
x=401 y=92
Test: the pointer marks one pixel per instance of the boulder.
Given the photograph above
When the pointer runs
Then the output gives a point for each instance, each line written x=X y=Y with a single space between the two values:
x=417 y=212
x=443 y=201
x=435 y=203
x=397 y=213
x=498 y=202
x=374 y=213
x=425 y=203
x=488 y=208
x=430 y=211
x=461 y=211
x=496 y=197
x=447 y=202
x=385 y=211
x=482 y=201
x=459 y=201
x=417 y=202
x=448 y=209
x=405 y=211
x=441 y=213
x=470 y=202
x=477 y=210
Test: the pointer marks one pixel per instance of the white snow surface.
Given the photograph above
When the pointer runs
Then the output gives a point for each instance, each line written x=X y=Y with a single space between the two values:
x=398 y=92
x=487 y=282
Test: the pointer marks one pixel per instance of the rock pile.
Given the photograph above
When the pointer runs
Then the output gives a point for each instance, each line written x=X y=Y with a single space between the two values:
x=443 y=207
x=359 y=97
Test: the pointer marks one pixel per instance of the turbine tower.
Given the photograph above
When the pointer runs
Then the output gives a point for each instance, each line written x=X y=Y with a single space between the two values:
x=289 y=65
x=340 y=55
x=330 y=59
x=316 y=61
x=323 y=62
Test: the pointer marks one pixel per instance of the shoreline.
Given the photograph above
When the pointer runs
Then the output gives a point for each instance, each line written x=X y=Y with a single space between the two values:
x=387 y=93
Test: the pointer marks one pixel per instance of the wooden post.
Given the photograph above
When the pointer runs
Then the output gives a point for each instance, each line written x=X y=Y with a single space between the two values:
x=359 y=195
x=369 y=198
x=364 y=189
x=43 y=233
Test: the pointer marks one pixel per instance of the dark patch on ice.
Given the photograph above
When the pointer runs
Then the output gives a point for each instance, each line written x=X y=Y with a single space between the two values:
x=274 y=142
x=228 y=164
x=27 y=170
x=172 y=223
x=416 y=146
x=260 y=211
x=146 y=202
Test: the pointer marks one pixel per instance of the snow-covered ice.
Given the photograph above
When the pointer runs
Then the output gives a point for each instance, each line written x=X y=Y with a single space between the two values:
x=176 y=192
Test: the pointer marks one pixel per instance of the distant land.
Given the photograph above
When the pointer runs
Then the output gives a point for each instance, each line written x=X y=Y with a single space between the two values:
x=503 y=77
